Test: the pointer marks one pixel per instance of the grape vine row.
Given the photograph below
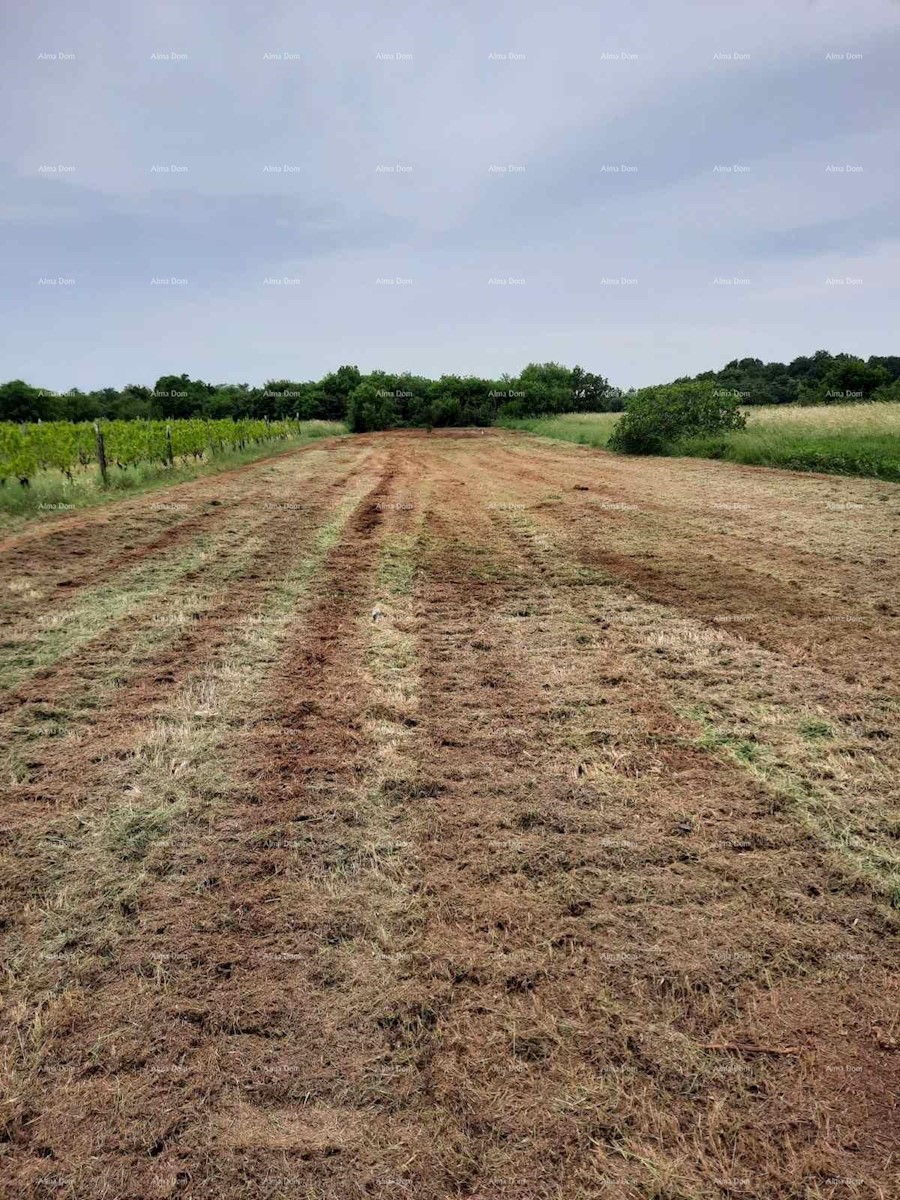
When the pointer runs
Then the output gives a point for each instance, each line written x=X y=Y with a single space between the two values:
x=64 y=446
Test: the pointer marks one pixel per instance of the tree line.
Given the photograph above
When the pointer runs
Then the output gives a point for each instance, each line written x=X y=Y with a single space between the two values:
x=378 y=400
x=381 y=399
x=820 y=378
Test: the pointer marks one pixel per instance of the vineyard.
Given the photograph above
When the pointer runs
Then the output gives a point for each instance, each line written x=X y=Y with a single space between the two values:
x=68 y=446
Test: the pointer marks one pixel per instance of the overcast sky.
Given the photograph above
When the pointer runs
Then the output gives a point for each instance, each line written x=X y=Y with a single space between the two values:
x=571 y=153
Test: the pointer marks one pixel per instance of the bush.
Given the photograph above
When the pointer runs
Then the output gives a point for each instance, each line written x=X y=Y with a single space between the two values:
x=889 y=393
x=656 y=417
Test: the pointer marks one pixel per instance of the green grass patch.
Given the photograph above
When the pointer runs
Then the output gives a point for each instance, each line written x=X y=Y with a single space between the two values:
x=43 y=643
x=833 y=453
x=740 y=748
x=816 y=730
x=130 y=832
x=396 y=567
x=865 y=854
x=585 y=429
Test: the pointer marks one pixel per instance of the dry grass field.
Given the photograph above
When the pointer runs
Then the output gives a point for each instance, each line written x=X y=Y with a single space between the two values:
x=454 y=815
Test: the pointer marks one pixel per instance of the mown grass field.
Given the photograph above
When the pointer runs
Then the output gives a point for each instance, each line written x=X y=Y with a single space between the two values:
x=841 y=439
x=454 y=814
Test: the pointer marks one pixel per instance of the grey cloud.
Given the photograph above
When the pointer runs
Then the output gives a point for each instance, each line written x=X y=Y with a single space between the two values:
x=450 y=112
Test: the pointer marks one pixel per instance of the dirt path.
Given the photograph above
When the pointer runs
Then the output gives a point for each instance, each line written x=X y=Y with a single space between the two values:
x=461 y=840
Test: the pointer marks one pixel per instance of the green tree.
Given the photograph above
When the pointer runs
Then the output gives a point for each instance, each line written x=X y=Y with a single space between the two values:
x=19 y=401
x=179 y=396
x=548 y=387
x=888 y=392
x=890 y=362
x=135 y=401
x=371 y=407
x=847 y=379
x=591 y=393
x=337 y=388
x=76 y=405
x=466 y=400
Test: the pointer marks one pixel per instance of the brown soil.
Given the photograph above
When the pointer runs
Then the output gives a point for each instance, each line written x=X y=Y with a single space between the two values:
x=547 y=848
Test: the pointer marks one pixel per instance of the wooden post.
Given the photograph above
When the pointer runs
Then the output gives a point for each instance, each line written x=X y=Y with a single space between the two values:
x=170 y=455
x=101 y=453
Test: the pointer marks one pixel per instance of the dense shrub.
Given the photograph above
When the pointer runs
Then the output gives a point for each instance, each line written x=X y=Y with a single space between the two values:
x=656 y=417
